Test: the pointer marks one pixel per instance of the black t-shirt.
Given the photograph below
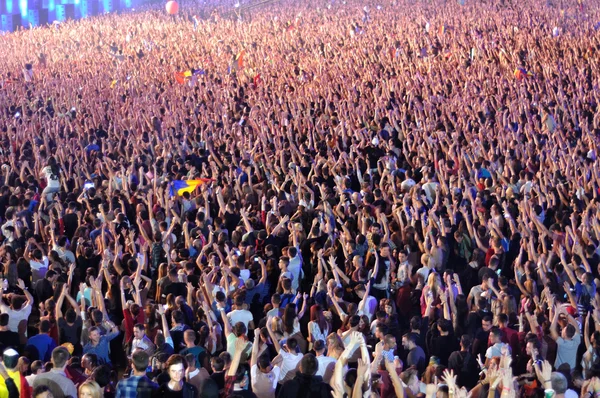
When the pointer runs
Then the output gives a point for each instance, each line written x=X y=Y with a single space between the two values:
x=9 y=339
x=3 y=204
x=443 y=346
x=231 y=221
x=177 y=289
x=165 y=392
x=70 y=333
x=480 y=344
x=43 y=290
x=71 y=222
x=95 y=203
x=242 y=393
x=219 y=378
x=83 y=263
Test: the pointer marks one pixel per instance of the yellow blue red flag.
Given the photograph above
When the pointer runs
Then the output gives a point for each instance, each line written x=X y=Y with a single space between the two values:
x=178 y=187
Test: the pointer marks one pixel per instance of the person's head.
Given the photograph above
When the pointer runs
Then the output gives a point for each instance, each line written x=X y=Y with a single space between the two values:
x=319 y=347
x=4 y=320
x=10 y=357
x=284 y=262
x=101 y=375
x=568 y=332
x=286 y=284
x=291 y=345
x=140 y=361
x=309 y=365
x=17 y=301
x=191 y=362
x=409 y=341
x=176 y=365
x=90 y=389
x=94 y=334
x=559 y=383
x=217 y=364
x=334 y=344
x=264 y=364
x=37 y=367
x=178 y=317
x=139 y=331
x=239 y=329
x=495 y=335
x=465 y=342
x=360 y=290
x=89 y=361
x=486 y=323
x=276 y=300
x=444 y=326
x=381 y=330
x=23 y=364
x=389 y=342
x=189 y=337
x=42 y=391
x=70 y=316
x=502 y=320
x=60 y=357
x=415 y=323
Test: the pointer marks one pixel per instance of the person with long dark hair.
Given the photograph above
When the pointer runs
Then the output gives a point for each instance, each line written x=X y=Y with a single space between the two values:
x=52 y=175
x=318 y=327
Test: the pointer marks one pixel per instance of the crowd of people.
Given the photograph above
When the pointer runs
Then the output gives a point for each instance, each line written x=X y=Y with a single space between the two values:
x=394 y=199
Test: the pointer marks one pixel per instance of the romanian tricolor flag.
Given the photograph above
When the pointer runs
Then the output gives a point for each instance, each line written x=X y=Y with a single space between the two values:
x=239 y=60
x=181 y=77
x=521 y=74
x=178 y=187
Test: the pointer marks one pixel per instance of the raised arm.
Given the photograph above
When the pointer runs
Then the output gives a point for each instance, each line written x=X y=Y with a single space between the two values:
x=226 y=323
x=165 y=325
x=21 y=285
x=240 y=345
x=553 y=326
x=272 y=335
x=60 y=301
x=337 y=379
x=396 y=382
x=254 y=358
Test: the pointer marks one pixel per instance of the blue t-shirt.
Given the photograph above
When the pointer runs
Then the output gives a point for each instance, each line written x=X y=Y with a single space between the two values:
x=44 y=345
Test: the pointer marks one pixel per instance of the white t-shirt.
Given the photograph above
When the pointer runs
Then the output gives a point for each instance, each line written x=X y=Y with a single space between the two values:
x=496 y=350
x=369 y=308
x=243 y=316
x=264 y=384
x=52 y=179
x=15 y=317
x=326 y=367
x=38 y=269
x=289 y=363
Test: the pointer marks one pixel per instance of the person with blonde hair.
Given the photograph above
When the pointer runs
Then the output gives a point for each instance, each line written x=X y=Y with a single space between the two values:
x=90 y=389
